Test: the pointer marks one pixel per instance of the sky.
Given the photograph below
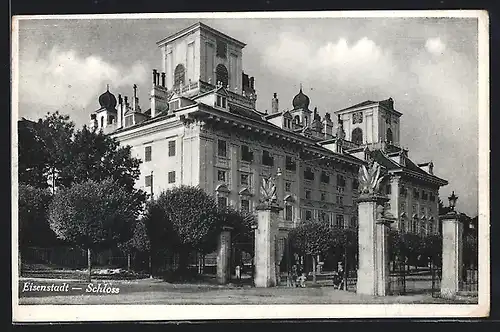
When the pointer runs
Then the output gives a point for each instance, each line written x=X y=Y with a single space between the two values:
x=429 y=66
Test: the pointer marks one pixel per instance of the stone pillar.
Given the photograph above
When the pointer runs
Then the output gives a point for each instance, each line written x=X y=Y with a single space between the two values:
x=452 y=255
x=373 y=270
x=265 y=245
x=223 y=256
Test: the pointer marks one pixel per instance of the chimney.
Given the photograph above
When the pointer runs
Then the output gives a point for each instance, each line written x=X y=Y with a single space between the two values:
x=120 y=112
x=163 y=79
x=154 y=77
x=328 y=126
x=135 y=101
x=275 y=103
x=126 y=102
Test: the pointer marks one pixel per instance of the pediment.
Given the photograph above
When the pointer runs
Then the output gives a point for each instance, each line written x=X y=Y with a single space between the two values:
x=286 y=114
x=222 y=188
x=222 y=92
x=309 y=204
x=289 y=199
x=245 y=192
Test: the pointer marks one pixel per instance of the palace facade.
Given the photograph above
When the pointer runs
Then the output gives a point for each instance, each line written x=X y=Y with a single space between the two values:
x=201 y=128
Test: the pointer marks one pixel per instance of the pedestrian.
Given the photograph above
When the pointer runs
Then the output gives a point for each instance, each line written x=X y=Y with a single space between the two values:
x=302 y=280
x=294 y=275
x=340 y=272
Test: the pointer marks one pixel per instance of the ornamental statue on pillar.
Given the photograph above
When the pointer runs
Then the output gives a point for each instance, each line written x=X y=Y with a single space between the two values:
x=370 y=179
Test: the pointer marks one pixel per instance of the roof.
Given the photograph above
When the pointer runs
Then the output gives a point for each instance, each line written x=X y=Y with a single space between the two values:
x=197 y=26
x=386 y=103
x=409 y=165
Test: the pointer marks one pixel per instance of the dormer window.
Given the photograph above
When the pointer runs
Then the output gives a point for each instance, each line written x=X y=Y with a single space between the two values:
x=221 y=49
x=221 y=102
x=173 y=105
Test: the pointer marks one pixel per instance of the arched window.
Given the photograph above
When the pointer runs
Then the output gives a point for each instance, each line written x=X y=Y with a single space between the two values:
x=296 y=120
x=102 y=121
x=179 y=75
x=222 y=75
x=389 y=135
x=357 y=136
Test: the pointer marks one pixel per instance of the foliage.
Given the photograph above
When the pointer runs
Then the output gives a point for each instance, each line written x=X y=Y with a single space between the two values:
x=409 y=247
x=312 y=238
x=139 y=239
x=34 y=229
x=43 y=148
x=470 y=250
x=96 y=156
x=93 y=214
x=185 y=218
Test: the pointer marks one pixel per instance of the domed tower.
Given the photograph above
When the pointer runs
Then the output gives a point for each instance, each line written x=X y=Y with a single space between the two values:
x=300 y=113
x=106 y=115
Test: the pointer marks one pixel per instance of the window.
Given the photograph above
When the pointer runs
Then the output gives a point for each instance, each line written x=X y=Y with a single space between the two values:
x=221 y=50
x=416 y=194
x=323 y=197
x=245 y=205
x=403 y=191
x=147 y=153
x=179 y=75
x=355 y=184
x=111 y=119
x=246 y=154
x=288 y=186
x=340 y=181
x=353 y=222
x=222 y=75
x=221 y=148
x=308 y=214
x=388 y=189
x=222 y=201
x=173 y=105
x=290 y=164
x=288 y=212
x=102 y=121
x=267 y=159
x=432 y=198
x=149 y=180
x=340 y=200
x=389 y=135
x=221 y=101
x=244 y=179
x=325 y=178
x=129 y=120
x=339 y=220
x=171 y=177
x=221 y=175
x=171 y=148
x=323 y=216
x=308 y=194
x=308 y=174
x=424 y=195
x=357 y=136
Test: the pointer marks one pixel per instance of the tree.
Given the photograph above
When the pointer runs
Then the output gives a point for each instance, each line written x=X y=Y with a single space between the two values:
x=43 y=148
x=93 y=215
x=96 y=156
x=184 y=219
x=34 y=229
x=138 y=242
x=312 y=238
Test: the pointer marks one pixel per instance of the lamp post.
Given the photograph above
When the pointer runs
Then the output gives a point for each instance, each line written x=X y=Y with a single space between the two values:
x=453 y=201
x=150 y=253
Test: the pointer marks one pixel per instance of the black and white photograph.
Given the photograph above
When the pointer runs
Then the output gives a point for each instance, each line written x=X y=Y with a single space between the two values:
x=268 y=165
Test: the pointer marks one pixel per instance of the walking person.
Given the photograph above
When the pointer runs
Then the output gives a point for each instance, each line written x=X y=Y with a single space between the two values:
x=294 y=276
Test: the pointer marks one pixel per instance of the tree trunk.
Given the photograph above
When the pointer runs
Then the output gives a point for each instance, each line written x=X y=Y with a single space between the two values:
x=314 y=268
x=89 y=264
x=150 y=267
x=128 y=261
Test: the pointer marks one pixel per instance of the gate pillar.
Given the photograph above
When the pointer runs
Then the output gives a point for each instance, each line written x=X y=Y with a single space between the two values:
x=265 y=245
x=373 y=269
x=452 y=254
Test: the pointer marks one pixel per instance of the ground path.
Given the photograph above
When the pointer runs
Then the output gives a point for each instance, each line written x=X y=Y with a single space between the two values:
x=154 y=291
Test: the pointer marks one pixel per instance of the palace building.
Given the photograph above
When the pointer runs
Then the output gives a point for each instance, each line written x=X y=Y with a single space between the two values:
x=201 y=128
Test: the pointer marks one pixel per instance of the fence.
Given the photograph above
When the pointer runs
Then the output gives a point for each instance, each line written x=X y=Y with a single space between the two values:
x=470 y=276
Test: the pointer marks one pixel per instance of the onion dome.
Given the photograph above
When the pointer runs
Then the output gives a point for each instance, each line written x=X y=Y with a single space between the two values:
x=300 y=101
x=107 y=100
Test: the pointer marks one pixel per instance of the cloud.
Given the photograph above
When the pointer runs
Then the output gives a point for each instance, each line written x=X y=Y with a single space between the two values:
x=435 y=46
x=65 y=80
x=340 y=62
